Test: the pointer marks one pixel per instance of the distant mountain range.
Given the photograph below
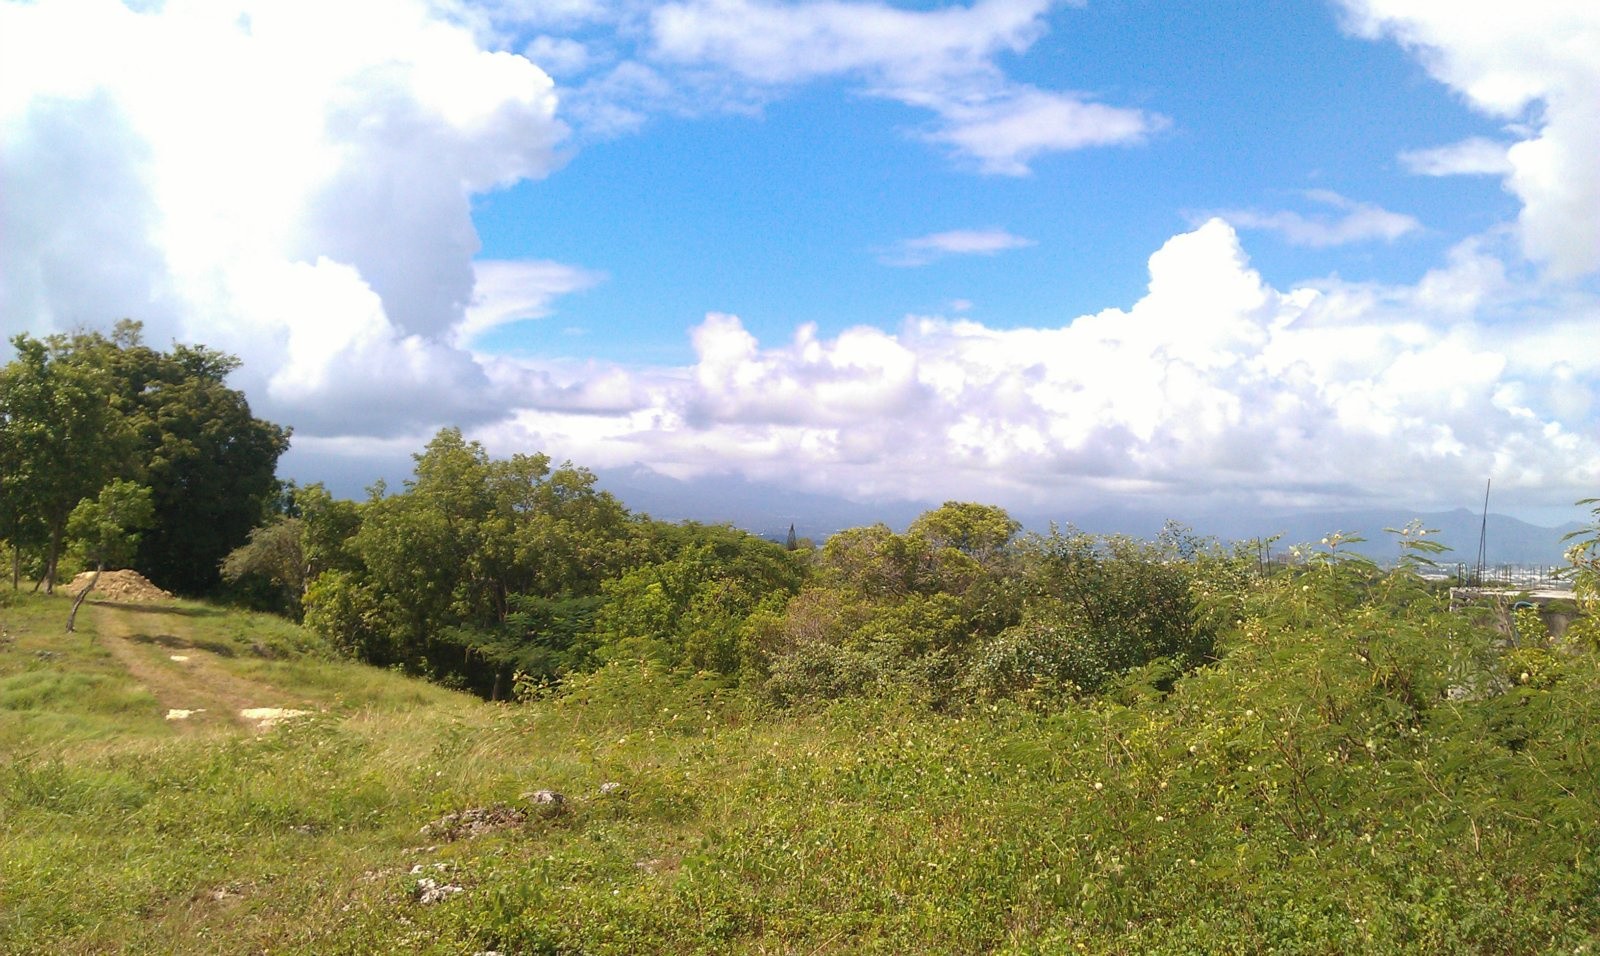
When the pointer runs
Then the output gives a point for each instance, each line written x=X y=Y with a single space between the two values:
x=1508 y=541
x=769 y=510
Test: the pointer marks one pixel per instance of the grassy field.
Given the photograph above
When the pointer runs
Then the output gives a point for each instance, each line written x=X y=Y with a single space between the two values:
x=1241 y=812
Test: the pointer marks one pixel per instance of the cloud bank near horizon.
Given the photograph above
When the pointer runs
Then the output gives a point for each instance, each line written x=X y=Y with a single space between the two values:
x=1212 y=386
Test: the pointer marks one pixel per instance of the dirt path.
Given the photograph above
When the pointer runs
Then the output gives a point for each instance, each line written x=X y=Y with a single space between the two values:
x=195 y=688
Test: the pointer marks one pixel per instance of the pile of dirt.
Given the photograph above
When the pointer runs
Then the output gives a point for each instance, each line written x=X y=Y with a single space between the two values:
x=120 y=586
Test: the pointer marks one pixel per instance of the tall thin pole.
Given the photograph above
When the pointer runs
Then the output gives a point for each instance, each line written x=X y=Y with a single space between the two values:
x=1483 y=534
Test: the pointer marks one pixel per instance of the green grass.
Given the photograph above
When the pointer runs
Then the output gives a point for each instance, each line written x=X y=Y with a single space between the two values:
x=1281 y=801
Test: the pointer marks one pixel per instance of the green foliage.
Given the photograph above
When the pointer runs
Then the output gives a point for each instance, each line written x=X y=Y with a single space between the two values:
x=1353 y=768
x=77 y=411
x=689 y=609
x=327 y=525
x=1095 y=608
x=273 y=558
x=208 y=461
x=107 y=528
x=343 y=607
x=432 y=578
x=981 y=532
x=61 y=439
x=1583 y=556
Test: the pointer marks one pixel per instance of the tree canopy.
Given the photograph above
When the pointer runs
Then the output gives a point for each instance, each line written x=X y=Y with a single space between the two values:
x=78 y=411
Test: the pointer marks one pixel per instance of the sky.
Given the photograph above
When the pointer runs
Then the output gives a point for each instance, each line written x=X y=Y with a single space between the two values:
x=1197 y=256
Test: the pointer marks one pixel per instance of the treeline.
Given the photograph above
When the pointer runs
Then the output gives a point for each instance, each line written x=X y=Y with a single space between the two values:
x=480 y=573
x=483 y=572
x=163 y=463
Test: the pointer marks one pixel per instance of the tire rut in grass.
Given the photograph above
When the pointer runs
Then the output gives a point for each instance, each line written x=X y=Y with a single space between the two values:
x=188 y=677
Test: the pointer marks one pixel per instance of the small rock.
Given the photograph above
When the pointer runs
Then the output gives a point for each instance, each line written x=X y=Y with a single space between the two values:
x=474 y=821
x=430 y=891
x=46 y=655
x=545 y=797
x=611 y=789
x=267 y=718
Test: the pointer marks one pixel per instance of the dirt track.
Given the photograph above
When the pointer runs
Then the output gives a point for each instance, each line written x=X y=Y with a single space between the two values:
x=157 y=647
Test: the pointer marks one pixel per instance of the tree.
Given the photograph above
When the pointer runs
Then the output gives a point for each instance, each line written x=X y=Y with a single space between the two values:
x=1094 y=608
x=473 y=568
x=61 y=439
x=76 y=411
x=209 y=463
x=981 y=532
x=107 y=529
x=20 y=523
x=689 y=609
x=1583 y=554
x=275 y=554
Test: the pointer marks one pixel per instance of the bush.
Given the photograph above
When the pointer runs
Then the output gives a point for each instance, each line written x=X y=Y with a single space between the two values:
x=1095 y=609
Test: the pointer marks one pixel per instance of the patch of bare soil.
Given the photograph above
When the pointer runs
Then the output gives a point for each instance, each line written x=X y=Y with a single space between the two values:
x=120 y=586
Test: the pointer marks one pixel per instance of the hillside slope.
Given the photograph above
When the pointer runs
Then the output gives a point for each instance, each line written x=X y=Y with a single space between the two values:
x=1345 y=779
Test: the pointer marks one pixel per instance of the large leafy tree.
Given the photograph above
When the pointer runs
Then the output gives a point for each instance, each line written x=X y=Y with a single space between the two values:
x=690 y=607
x=476 y=561
x=209 y=463
x=77 y=411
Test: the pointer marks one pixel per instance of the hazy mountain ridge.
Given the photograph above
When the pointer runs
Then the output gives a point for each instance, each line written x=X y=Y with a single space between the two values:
x=768 y=510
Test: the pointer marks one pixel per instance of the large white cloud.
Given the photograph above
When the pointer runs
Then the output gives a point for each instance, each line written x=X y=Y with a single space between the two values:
x=285 y=179
x=1536 y=66
x=1214 y=384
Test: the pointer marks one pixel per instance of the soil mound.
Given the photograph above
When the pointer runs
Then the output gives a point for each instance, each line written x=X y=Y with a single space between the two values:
x=120 y=586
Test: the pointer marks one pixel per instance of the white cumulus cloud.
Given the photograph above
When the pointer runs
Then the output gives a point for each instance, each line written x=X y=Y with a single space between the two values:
x=1534 y=65
x=1213 y=384
x=287 y=180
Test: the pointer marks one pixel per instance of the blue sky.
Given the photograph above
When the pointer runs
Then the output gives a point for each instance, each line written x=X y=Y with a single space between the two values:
x=1225 y=255
x=785 y=217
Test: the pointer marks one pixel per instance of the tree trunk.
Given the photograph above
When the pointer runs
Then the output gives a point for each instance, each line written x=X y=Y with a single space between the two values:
x=53 y=556
x=78 y=601
x=16 y=567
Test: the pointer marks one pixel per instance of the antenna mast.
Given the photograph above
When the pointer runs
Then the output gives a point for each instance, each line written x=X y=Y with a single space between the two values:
x=1483 y=535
